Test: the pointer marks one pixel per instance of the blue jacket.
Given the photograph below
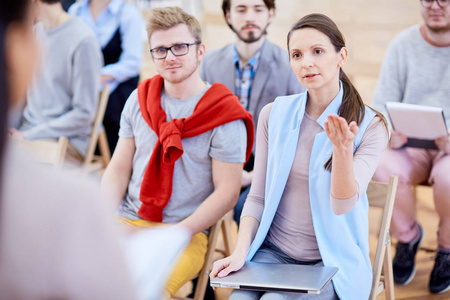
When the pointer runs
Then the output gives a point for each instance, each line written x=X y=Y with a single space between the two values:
x=342 y=240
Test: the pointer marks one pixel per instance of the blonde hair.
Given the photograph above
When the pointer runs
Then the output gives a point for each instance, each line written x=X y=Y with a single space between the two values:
x=167 y=17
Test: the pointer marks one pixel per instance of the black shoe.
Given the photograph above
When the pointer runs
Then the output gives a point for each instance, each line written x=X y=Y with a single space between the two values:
x=403 y=265
x=440 y=276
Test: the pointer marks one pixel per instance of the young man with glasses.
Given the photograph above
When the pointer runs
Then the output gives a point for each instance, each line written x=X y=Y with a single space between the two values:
x=256 y=70
x=416 y=70
x=182 y=144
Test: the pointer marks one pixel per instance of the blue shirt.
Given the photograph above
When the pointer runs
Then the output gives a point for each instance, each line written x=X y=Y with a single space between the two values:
x=244 y=77
x=117 y=14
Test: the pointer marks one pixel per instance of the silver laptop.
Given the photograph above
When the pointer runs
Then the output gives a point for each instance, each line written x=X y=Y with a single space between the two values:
x=278 y=277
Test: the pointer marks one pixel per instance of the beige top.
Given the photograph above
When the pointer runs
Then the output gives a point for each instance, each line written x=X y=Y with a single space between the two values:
x=57 y=240
x=292 y=229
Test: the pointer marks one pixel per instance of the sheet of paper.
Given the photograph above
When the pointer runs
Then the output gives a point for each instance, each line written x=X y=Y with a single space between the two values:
x=417 y=121
x=151 y=254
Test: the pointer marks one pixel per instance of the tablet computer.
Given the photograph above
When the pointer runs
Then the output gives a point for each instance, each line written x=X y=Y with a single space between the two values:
x=421 y=124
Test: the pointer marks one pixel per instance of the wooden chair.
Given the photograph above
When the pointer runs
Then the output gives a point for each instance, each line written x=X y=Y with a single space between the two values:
x=46 y=151
x=222 y=226
x=93 y=162
x=382 y=195
x=414 y=188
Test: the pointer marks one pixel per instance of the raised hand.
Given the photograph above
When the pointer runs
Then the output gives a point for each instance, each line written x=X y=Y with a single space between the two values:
x=340 y=133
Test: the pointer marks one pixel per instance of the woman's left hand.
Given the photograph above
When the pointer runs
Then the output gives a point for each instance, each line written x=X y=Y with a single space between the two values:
x=340 y=132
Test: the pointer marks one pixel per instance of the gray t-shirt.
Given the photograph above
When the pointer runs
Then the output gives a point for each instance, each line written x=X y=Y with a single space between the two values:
x=414 y=71
x=64 y=97
x=192 y=178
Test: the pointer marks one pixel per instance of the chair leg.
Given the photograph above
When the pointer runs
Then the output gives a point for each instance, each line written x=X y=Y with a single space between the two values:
x=388 y=273
x=414 y=192
x=104 y=148
x=206 y=269
x=63 y=143
x=226 y=233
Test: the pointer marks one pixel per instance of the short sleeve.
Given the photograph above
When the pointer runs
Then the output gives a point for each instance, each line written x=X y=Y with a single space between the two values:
x=229 y=142
x=127 y=118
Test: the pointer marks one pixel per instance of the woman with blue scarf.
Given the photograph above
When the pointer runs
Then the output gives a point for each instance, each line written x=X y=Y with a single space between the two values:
x=315 y=155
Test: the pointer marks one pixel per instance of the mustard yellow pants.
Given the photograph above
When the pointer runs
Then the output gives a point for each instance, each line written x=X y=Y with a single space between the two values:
x=189 y=262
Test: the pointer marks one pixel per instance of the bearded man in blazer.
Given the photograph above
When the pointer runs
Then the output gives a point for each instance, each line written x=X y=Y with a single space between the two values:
x=252 y=67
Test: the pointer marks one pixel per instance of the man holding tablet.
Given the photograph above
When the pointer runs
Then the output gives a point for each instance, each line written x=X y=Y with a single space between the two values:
x=415 y=71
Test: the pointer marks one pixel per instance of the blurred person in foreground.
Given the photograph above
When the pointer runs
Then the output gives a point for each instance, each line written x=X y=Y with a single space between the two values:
x=57 y=240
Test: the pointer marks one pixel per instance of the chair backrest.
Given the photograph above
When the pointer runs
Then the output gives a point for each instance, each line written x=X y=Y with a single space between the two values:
x=47 y=151
x=91 y=161
x=382 y=195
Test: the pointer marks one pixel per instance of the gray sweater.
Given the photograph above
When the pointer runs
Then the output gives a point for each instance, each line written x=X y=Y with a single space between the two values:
x=63 y=99
x=416 y=72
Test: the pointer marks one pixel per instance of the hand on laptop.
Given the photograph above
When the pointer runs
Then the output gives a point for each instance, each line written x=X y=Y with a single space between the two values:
x=225 y=266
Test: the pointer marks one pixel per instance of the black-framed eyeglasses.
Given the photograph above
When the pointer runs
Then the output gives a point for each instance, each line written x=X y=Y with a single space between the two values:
x=177 y=50
x=440 y=3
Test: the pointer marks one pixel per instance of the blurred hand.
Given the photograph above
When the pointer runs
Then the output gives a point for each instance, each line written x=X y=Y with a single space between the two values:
x=15 y=134
x=246 y=178
x=340 y=133
x=443 y=144
x=398 y=140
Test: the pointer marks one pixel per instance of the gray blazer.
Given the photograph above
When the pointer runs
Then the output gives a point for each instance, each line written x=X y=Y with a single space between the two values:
x=274 y=76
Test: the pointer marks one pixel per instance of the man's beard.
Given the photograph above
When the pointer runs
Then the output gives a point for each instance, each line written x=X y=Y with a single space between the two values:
x=251 y=38
x=438 y=29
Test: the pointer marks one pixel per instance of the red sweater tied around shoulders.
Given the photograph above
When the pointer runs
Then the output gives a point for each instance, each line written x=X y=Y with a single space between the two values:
x=218 y=106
